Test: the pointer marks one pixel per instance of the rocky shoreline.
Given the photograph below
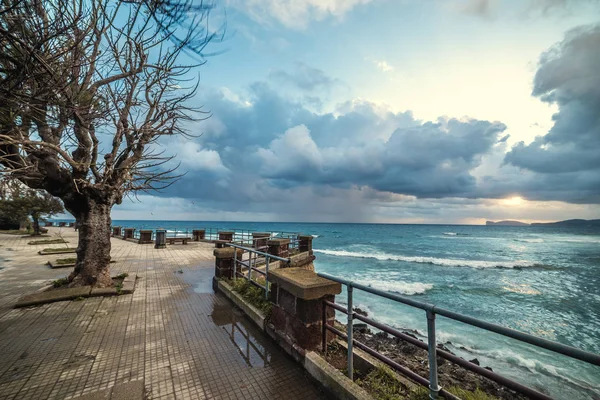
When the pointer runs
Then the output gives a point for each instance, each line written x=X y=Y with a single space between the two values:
x=416 y=360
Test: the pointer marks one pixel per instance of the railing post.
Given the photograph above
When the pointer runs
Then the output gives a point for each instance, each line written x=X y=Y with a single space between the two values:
x=350 y=333
x=266 y=278
x=234 y=277
x=249 y=267
x=434 y=388
x=324 y=327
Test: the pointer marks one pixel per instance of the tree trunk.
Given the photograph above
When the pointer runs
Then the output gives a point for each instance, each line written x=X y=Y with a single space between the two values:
x=93 y=250
x=36 y=224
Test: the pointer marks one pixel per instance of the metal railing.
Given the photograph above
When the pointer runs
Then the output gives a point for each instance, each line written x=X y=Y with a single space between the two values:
x=432 y=350
x=253 y=263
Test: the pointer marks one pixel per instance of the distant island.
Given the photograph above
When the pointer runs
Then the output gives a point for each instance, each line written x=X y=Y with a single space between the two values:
x=568 y=222
x=506 y=223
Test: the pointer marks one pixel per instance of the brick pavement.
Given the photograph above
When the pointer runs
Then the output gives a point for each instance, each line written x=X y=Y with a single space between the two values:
x=173 y=333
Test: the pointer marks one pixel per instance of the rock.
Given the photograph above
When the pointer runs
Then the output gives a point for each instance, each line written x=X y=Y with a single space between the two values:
x=361 y=312
x=474 y=361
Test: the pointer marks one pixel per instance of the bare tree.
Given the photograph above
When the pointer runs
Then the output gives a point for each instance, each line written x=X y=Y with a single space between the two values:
x=87 y=89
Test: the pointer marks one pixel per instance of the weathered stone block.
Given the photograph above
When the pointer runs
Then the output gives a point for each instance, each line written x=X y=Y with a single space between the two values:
x=305 y=244
x=145 y=236
x=278 y=318
x=279 y=247
x=259 y=239
x=286 y=301
x=198 y=234
x=310 y=311
x=307 y=336
x=303 y=284
x=226 y=235
x=128 y=233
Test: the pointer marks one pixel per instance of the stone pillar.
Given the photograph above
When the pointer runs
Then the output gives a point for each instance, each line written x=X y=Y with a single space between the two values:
x=297 y=315
x=128 y=233
x=198 y=234
x=62 y=224
x=116 y=231
x=145 y=236
x=305 y=244
x=224 y=258
x=279 y=247
x=226 y=235
x=259 y=239
x=160 y=242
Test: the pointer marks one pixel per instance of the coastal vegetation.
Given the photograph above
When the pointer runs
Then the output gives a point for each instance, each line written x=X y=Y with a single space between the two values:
x=253 y=294
x=86 y=101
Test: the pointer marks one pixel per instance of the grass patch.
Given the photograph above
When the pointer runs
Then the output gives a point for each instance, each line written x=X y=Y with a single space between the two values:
x=254 y=295
x=14 y=232
x=59 y=250
x=121 y=276
x=382 y=384
x=65 y=261
x=60 y=282
x=48 y=241
x=422 y=393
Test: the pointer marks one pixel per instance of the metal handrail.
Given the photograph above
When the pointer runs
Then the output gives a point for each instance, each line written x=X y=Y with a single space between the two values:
x=431 y=311
x=252 y=266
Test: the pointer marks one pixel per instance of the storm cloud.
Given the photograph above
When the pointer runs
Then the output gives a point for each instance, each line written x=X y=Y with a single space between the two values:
x=567 y=158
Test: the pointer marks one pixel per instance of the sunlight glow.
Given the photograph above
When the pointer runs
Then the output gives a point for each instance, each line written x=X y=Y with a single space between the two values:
x=513 y=201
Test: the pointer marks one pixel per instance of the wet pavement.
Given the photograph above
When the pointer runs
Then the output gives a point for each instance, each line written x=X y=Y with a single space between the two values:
x=173 y=334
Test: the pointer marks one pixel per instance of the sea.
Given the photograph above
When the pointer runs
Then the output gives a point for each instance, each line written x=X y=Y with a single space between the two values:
x=540 y=280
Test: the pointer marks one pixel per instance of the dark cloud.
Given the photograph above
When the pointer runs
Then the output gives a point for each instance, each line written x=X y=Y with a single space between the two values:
x=490 y=9
x=304 y=77
x=264 y=145
x=567 y=158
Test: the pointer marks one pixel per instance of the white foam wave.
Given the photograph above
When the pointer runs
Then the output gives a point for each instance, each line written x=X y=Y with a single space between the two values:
x=402 y=287
x=450 y=233
x=315 y=236
x=530 y=240
x=445 y=262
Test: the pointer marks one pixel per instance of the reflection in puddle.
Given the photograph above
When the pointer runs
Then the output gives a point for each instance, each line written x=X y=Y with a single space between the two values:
x=200 y=279
x=249 y=341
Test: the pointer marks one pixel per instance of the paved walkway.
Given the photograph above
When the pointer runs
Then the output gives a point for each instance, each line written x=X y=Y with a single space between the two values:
x=173 y=334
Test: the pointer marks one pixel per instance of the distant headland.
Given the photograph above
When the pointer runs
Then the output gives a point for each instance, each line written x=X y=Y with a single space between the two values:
x=568 y=222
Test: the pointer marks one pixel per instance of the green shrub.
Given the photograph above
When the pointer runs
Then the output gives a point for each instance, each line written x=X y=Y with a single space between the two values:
x=254 y=295
x=382 y=383
x=60 y=282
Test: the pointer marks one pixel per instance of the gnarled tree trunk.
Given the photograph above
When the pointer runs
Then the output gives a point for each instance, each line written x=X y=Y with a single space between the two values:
x=93 y=250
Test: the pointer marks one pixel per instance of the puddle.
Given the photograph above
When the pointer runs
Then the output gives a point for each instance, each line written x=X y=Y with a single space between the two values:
x=251 y=344
x=200 y=279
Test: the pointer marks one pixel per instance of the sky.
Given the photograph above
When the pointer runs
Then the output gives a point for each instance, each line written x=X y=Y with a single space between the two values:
x=392 y=111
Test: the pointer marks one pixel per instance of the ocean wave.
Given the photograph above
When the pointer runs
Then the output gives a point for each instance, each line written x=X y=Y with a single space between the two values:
x=538 y=240
x=445 y=262
x=315 y=236
x=455 y=234
x=401 y=287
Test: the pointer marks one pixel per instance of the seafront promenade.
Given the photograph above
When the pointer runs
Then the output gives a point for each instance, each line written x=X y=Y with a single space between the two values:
x=173 y=338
